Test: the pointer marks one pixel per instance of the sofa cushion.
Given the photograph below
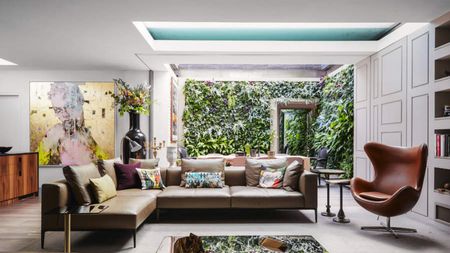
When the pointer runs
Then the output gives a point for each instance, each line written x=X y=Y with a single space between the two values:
x=255 y=197
x=253 y=168
x=123 y=212
x=107 y=168
x=146 y=163
x=271 y=178
x=127 y=176
x=78 y=179
x=181 y=197
x=206 y=165
x=138 y=193
x=103 y=188
x=151 y=179
x=204 y=180
x=291 y=176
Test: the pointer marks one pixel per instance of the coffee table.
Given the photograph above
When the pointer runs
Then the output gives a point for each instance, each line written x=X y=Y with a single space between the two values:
x=234 y=244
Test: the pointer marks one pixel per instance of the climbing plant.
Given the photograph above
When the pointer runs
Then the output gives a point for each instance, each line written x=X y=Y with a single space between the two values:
x=297 y=131
x=333 y=127
x=224 y=116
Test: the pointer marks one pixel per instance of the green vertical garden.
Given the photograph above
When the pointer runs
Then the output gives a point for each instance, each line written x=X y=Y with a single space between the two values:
x=224 y=116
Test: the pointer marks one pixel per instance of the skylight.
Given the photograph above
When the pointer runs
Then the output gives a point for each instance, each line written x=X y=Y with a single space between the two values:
x=4 y=62
x=202 y=31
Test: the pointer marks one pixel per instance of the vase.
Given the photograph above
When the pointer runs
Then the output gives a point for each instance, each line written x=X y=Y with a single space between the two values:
x=171 y=155
x=133 y=144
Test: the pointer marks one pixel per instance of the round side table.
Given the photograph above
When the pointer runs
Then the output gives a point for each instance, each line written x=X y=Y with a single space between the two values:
x=341 y=215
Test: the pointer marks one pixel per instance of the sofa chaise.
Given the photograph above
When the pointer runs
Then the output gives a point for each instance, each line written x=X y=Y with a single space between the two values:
x=131 y=207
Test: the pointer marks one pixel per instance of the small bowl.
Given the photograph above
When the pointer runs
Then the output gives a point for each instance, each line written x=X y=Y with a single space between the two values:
x=4 y=149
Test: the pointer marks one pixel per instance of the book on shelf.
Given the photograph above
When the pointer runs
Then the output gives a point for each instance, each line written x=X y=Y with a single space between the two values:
x=442 y=145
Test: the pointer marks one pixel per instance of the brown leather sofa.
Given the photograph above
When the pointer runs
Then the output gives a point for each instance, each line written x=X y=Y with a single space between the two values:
x=132 y=207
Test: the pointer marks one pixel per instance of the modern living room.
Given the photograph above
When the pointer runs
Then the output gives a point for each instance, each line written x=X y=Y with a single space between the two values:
x=224 y=126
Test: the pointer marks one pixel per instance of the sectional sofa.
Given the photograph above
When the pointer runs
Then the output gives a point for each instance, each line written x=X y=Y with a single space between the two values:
x=132 y=207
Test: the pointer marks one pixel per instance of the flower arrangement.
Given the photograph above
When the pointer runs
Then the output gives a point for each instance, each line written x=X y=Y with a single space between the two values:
x=132 y=99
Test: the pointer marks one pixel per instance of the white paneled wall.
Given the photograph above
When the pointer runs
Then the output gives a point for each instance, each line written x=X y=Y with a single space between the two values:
x=362 y=117
x=392 y=101
x=418 y=89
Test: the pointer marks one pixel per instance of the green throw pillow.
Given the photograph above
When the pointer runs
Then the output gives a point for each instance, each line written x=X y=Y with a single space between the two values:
x=103 y=188
x=151 y=178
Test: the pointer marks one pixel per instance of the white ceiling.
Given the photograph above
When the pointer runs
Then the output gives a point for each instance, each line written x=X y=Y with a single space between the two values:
x=99 y=34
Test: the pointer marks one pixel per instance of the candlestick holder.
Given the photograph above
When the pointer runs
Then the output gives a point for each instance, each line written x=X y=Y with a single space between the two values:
x=154 y=146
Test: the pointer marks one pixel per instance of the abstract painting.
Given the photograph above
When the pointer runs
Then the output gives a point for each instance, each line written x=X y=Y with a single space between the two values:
x=173 y=110
x=72 y=123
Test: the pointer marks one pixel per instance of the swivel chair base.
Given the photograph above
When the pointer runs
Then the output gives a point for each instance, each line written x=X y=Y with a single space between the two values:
x=387 y=228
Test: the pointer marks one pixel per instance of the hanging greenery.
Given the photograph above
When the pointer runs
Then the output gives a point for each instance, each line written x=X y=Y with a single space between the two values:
x=297 y=132
x=224 y=116
x=334 y=125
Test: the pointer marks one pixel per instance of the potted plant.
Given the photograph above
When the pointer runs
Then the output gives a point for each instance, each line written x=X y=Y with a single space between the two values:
x=135 y=100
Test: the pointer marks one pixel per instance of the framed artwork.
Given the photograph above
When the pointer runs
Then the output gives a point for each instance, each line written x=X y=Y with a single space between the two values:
x=72 y=123
x=173 y=110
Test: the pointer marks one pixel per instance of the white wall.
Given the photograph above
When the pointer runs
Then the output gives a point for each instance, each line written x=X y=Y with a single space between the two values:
x=161 y=111
x=17 y=83
x=392 y=102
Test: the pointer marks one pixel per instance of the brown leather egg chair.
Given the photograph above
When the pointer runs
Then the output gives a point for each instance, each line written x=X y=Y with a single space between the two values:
x=399 y=174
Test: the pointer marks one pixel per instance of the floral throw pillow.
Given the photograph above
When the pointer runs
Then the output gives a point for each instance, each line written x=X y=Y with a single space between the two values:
x=151 y=178
x=204 y=180
x=271 y=178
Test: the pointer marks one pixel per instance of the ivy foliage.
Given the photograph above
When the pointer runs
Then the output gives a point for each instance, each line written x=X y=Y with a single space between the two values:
x=297 y=135
x=333 y=127
x=224 y=116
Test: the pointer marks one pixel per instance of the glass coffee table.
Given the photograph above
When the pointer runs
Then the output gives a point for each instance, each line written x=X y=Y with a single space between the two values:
x=231 y=244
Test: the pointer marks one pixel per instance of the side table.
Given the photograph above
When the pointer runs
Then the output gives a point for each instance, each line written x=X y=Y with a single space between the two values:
x=327 y=173
x=82 y=210
x=341 y=215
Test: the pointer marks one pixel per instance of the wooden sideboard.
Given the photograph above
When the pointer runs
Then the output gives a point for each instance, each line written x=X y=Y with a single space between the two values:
x=19 y=176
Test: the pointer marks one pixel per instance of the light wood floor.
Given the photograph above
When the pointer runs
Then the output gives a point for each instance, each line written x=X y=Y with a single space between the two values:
x=20 y=229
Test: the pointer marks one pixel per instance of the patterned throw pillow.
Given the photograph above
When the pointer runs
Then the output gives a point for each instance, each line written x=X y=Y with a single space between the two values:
x=151 y=178
x=204 y=180
x=271 y=178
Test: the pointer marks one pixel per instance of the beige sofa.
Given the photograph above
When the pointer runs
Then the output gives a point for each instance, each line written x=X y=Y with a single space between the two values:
x=132 y=207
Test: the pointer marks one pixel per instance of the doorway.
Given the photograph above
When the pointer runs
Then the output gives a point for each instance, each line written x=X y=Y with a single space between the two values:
x=292 y=126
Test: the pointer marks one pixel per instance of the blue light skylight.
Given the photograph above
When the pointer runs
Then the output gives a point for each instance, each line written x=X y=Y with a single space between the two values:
x=269 y=31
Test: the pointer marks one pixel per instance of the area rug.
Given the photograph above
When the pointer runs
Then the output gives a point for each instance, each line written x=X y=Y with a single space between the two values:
x=241 y=244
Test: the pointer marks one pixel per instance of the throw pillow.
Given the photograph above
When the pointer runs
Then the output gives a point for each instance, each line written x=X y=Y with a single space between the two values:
x=78 y=179
x=107 y=168
x=127 y=176
x=293 y=172
x=146 y=163
x=204 y=180
x=206 y=165
x=151 y=178
x=271 y=178
x=103 y=188
x=253 y=168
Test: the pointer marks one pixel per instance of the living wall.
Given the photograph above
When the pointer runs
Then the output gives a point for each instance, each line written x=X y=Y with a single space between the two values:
x=333 y=127
x=224 y=116
x=297 y=131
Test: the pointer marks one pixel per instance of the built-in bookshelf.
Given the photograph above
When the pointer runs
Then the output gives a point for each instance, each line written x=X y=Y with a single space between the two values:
x=439 y=184
x=442 y=34
x=442 y=68
x=442 y=143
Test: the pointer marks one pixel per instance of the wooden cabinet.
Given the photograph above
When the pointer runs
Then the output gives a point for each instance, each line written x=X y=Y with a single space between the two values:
x=18 y=176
